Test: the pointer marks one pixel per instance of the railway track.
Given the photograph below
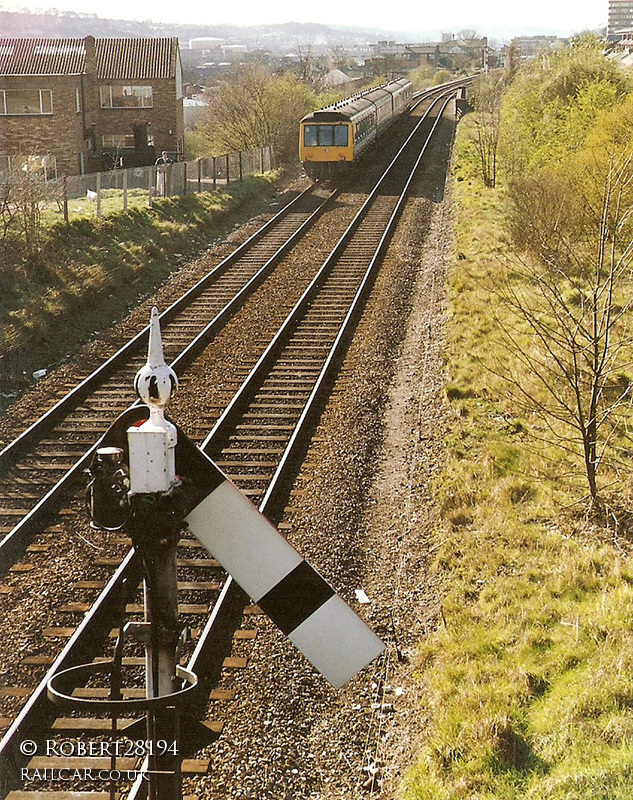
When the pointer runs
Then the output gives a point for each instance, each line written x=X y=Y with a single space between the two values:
x=257 y=440
x=38 y=465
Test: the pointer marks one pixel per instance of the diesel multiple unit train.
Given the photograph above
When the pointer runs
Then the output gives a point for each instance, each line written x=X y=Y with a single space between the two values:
x=333 y=136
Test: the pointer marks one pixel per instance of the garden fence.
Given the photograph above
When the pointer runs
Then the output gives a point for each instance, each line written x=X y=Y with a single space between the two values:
x=120 y=189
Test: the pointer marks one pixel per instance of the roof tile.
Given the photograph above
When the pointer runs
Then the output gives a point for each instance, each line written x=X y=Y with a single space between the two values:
x=115 y=58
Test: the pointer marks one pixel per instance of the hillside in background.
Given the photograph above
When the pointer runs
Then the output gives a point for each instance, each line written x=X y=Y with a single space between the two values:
x=269 y=37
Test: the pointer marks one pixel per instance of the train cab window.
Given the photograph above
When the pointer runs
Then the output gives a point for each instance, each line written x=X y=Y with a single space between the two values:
x=340 y=135
x=325 y=136
x=310 y=135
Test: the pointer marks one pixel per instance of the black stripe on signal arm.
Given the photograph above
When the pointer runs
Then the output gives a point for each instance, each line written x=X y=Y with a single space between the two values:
x=295 y=597
x=199 y=474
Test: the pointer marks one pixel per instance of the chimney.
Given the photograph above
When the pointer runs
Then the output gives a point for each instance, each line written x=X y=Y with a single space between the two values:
x=90 y=100
x=91 y=55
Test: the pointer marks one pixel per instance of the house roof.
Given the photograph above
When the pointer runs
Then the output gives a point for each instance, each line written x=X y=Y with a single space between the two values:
x=114 y=58
x=420 y=49
x=136 y=58
x=335 y=77
x=42 y=56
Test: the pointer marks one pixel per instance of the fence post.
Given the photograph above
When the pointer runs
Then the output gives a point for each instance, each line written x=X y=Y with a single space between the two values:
x=214 y=178
x=228 y=179
x=239 y=157
x=65 y=185
x=125 y=190
x=184 y=178
x=199 y=175
x=98 y=194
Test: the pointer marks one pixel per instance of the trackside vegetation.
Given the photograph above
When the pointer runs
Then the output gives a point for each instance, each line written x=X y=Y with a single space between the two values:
x=527 y=683
x=90 y=272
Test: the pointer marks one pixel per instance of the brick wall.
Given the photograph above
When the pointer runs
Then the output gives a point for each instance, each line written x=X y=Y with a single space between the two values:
x=165 y=118
x=59 y=134
x=66 y=134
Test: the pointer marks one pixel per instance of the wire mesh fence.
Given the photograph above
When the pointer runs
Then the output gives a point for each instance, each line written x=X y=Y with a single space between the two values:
x=100 y=193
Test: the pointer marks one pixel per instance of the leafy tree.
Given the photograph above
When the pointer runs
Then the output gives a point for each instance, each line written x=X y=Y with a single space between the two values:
x=442 y=76
x=252 y=108
x=567 y=126
x=553 y=102
x=422 y=76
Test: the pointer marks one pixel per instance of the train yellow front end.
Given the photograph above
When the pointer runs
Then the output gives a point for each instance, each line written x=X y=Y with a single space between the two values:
x=325 y=147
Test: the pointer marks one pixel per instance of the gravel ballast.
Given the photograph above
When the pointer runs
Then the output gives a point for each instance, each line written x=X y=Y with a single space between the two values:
x=362 y=513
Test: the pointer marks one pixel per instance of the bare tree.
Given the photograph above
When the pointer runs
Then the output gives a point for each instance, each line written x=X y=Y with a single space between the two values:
x=23 y=194
x=307 y=71
x=570 y=302
x=486 y=99
x=253 y=108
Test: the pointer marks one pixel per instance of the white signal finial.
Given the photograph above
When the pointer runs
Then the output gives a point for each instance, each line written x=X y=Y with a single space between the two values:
x=155 y=355
x=152 y=445
x=155 y=381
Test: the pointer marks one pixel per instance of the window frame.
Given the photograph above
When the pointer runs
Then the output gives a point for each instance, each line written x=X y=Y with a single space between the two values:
x=320 y=127
x=106 y=96
x=43 y=112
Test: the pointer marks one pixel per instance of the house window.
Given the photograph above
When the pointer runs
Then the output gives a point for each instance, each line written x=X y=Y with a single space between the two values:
x=26 y=101
x=127 y=97
x=41 y=167
x=117 y=140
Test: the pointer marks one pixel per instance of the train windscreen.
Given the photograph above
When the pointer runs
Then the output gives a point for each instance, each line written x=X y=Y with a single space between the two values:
x=325 y=136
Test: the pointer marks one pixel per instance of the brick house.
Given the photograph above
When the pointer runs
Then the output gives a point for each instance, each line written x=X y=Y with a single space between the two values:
x=78 y=105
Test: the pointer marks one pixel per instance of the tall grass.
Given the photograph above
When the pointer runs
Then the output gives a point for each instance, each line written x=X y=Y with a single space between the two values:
x=527 y=683
x=91 y=271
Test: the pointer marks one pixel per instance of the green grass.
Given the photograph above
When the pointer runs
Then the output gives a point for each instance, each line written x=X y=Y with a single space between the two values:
x=90 y=271
x=527 y=684
x=81 y=207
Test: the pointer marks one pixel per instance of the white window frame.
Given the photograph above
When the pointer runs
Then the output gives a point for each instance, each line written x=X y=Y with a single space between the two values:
x=44 y=107
x=106 y=96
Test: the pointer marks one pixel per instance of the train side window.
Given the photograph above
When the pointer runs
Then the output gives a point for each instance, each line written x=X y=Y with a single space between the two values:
x=310 y=135
x=340 y=136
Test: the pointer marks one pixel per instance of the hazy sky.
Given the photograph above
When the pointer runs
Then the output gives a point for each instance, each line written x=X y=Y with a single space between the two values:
x=415 y=15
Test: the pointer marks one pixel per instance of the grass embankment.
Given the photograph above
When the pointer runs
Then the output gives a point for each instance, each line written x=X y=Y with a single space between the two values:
x=92 y=271
x=528 y=681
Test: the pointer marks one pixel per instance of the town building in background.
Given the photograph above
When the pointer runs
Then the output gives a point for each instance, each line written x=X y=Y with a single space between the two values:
x=620 y=18
x=86 y=105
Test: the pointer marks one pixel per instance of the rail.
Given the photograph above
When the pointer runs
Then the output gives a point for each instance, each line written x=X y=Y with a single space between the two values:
x=14 y=543
x=24 y=724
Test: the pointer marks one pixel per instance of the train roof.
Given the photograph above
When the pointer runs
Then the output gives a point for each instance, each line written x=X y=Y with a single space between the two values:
x=348 y=109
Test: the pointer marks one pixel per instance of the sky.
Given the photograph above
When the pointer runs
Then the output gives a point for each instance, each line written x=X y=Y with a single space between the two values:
x=562 y=16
